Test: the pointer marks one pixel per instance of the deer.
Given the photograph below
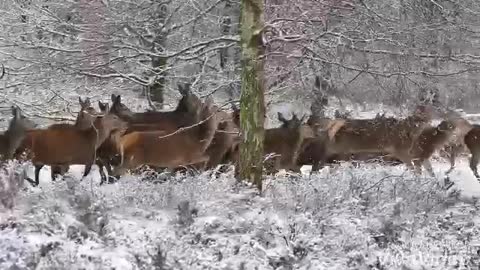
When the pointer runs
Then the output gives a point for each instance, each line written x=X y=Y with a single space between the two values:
x=312 y=149
x=82 y=121
x=389 y=135
x=430 y=140
x=168 y=120
x=282 y=144
x=472 y=141
x=72 y=145
x=168 y=150
x=225 y=140
x=456 y=145
x=12 y=138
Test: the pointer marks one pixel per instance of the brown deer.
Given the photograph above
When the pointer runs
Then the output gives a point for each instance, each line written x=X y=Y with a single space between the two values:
x=472 y=140
x=225 y=140
x=167 y=150
x=68 y=145
x=82 y=122
x=456 y=145
x=312 y=150
x=12 y=138
x=430 y=140
x=392 y=136
x=169 y=120
x=282 y=145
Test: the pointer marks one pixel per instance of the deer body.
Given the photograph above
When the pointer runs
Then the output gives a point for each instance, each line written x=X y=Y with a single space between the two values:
x=161 y=149
x=68 y=145
x=430 y=140
x=472 y=140
x=387 y=135
x=284 y=143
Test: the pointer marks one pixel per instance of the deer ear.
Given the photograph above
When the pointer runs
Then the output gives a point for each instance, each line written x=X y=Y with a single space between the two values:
x=118 y=99
x=281 y=118
x=317 y=81
x=16 y=112
x=183 y=89
x=234 y=107
x=102 y=105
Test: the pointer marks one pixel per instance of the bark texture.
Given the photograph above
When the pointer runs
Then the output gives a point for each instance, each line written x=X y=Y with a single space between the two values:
x=252 y=103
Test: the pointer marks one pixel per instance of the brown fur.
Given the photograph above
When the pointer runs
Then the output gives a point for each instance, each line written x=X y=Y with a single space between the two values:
x=472 y=141
x=184 y=148
x=224 y=141
x=456 y=145
x=83 y=121
x=169 y=120
x=313 y=150
x=285 y=143
x=69 y=145
x=378 y=135
x=430 y=140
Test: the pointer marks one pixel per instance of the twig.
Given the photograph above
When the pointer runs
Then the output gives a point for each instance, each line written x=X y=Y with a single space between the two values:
x=199 y=123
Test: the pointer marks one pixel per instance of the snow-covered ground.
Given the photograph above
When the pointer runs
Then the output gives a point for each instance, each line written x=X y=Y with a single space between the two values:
x=372 y=217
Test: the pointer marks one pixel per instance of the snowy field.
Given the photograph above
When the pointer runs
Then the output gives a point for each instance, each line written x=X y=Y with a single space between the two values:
x=372 y=217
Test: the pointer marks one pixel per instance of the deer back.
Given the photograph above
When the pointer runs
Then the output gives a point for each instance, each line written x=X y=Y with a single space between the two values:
x=70 y=144
x=181 y=116
x=164 y=149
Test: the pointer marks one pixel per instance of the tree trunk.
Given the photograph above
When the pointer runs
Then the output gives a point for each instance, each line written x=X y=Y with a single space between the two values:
x=157 y=88
x=252 y=103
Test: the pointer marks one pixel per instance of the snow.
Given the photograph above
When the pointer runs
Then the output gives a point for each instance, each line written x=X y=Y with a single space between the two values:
x=343 y=217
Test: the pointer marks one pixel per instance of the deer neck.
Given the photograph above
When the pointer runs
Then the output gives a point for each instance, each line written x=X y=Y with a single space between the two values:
x=100 y=132
x=206 y=130
x=298 y=139
x=13 y=138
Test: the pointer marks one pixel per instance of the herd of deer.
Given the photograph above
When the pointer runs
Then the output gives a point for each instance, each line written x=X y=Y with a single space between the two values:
x=204 y=136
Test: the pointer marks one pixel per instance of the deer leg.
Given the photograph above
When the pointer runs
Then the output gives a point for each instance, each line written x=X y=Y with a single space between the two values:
x=54 y=171
x=103 y=177
x=119 y=171
x=88 y=168
x=37 y=174
x=428 y=166
x=417 y=167
x=108 y=165
x=409 y=163
x=473 y=165
x=451 y=157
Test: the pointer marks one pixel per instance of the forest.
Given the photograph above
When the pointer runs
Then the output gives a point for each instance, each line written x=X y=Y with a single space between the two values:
x=248 y=134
